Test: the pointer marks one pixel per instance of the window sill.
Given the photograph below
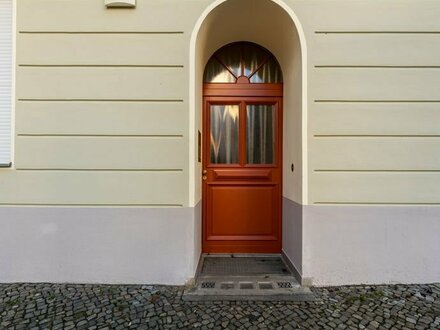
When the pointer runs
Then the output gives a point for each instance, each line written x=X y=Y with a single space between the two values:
x=6 y=165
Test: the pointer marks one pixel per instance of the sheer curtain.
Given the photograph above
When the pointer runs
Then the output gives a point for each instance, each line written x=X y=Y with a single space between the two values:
x=6 y=37
x=224 y=134
x=260 y=134
x=217 y=73
x=269 y=73
x=242 y=58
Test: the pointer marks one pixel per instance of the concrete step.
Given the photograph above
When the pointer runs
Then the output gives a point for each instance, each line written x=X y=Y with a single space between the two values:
x=247 y=288
x=262 y=278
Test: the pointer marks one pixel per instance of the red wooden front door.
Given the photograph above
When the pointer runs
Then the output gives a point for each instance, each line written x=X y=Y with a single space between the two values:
x=242 y=151
x=242 y=168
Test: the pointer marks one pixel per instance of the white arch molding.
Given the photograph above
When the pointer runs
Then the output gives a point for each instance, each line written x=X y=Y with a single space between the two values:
x=193 y=93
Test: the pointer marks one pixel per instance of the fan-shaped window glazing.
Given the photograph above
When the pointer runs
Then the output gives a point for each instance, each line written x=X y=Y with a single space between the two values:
x=245 y=60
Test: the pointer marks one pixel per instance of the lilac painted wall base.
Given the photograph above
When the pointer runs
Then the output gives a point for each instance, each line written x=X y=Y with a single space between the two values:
x=329 y=245
x=97 y=245
x=292 y=233
x=371 y=244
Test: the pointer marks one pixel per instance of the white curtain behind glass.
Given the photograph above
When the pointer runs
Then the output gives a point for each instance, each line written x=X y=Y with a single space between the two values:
x=242 y=58
x=224 y=134
x=5 y=80
x=260 y=134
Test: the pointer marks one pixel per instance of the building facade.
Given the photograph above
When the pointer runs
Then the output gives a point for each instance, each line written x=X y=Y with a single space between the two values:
x=103 y=176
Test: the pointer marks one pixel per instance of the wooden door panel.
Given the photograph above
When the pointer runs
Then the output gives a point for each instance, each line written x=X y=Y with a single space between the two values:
x=242 y=212
x=242 y=174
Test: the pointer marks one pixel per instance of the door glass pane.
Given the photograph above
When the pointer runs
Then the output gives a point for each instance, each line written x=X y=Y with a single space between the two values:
x=269 y=73
x=224 y=134
x=217 y=73
x=260 y=134
x=253 y=57
x=231 y=57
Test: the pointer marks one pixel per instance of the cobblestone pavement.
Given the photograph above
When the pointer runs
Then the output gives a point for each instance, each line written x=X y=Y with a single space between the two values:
x=50 y=306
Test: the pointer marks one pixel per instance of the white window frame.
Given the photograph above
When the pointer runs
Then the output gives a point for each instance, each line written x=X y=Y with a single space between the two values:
x=7 y=160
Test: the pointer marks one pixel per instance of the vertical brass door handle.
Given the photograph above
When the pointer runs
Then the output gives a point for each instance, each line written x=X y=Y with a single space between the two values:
x=204 y=177
x=205 y=171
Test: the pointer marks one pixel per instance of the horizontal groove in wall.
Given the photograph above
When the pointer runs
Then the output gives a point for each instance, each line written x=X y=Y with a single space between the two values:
x=377 y=66
x=100 y=32
x=377 y=101
x=100 y=100
x=377 y=171
x=98 y=170
x=165 y=66
x=371 y=203
x=374 y=136
x=377 y=32
x=103 y=135
x=92 y=205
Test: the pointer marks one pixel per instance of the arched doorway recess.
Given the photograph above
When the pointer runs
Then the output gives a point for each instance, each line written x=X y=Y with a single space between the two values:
x=273 y=25
x=242 y=151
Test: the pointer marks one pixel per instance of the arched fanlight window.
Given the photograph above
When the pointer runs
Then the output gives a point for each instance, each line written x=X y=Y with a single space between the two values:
x=243 y=62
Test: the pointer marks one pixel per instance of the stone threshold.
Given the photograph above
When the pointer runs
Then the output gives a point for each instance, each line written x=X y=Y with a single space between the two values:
x=246 y=277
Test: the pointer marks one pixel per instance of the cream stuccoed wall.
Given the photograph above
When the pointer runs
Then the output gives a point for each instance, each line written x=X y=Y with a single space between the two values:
x=99 y=188
x=105 y=120
x=372 y=142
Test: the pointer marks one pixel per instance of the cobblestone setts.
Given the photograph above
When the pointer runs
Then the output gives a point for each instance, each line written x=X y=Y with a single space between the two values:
x=51 y=306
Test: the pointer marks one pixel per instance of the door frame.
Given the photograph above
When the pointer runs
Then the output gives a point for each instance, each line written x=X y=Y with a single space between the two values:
x=241 y=94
